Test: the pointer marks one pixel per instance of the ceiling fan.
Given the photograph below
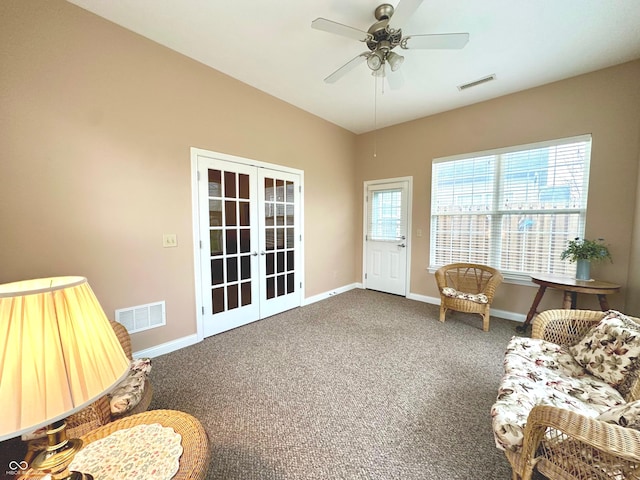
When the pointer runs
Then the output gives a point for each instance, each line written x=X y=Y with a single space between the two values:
x=385 y=35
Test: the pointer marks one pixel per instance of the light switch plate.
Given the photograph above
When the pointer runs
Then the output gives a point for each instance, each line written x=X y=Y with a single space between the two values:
x=169 y=240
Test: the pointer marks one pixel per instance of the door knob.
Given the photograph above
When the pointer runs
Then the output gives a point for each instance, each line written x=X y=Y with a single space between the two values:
x=401 y=245
x=255 y=254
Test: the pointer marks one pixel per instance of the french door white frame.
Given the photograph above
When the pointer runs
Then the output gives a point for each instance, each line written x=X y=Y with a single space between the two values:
x=409 y=242
x=195 y=205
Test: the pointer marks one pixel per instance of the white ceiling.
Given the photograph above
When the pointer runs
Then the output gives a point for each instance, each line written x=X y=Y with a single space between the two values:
x=270 y=45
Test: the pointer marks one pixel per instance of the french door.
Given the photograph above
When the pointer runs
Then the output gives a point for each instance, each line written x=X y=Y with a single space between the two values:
x=250 y=242
x=386 y=246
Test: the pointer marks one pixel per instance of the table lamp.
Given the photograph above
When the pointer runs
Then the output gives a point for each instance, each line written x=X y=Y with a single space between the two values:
x=58 y=354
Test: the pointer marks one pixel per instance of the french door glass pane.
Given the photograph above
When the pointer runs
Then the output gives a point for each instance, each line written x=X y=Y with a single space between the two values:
x=245 y=293
x=232 y=296
x=229 y=184
x=215 y=183
x=217 y=300
x=243 y=186
x=215 y=213
x=215 y=239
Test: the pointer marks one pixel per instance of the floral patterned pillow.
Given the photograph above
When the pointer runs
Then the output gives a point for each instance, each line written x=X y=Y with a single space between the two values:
x=129 y=392
x=611 y=351
x=627 y=415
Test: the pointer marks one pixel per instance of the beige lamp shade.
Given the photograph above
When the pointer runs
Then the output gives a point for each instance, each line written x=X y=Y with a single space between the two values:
x=58 y=352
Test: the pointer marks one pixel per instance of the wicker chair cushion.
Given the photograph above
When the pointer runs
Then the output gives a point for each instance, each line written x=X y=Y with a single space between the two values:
x=611 y=350
x=538 y=372
x=627 y=415
x=129 y=392
x=474 y=297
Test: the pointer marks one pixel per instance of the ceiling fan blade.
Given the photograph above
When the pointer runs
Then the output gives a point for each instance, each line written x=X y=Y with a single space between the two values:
x=339 y=29
x=395 y=79
x=403 y=12
x=450 y=41
x=347 y=67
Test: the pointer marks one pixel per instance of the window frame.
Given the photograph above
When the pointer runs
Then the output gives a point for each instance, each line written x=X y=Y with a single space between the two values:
x=497 y=213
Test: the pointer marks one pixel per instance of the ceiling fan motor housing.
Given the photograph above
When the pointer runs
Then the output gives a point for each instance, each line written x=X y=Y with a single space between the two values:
x=381 y=36
x=384 y=11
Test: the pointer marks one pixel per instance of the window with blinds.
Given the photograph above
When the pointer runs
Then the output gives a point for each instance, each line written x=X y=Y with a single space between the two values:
x=513 y=208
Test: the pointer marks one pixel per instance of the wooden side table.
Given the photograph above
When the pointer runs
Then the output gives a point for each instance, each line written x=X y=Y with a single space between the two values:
x=571 y=288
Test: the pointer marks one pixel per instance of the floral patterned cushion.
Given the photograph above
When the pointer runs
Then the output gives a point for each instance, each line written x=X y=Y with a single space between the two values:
x=129 y=392
x=543 y=373
x=627 y=415
x=474 y=297
x=540 y=353
x=611 y=351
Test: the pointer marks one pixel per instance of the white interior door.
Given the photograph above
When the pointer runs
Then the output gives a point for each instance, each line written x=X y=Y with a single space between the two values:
x=386 y=236
x=249 y=226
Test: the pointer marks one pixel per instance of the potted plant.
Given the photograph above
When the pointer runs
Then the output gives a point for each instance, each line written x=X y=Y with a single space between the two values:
x=583 y=252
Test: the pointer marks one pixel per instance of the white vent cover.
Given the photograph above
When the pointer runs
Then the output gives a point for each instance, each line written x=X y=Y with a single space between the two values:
x=142 y=317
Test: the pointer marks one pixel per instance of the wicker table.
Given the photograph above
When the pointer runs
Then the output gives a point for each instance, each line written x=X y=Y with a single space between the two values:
x=195 y=457
x=194 y=460
x=571 y=287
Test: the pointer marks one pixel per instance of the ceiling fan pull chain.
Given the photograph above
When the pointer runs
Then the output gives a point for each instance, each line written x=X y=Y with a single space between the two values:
x=375 y=117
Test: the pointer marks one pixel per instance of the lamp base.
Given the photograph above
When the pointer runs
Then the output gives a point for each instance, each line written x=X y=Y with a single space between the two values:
x=59 y=454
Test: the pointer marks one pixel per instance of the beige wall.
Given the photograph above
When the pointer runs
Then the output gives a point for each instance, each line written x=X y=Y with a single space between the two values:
x=633 y=286
x=605 y=103
x=96 y=125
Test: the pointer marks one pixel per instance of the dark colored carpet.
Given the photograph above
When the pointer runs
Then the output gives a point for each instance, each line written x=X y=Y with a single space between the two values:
x=363 y=385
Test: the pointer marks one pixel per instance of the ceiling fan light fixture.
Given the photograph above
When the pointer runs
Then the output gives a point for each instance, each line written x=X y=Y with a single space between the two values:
x=394 y=60
x=379 y=72
x=375 y=61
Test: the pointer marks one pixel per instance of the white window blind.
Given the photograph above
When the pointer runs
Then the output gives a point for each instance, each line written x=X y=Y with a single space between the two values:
x=513 y=208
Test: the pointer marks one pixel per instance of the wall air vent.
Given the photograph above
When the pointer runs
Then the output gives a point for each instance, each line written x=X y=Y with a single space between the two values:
x=477 y=82
x=142 y=317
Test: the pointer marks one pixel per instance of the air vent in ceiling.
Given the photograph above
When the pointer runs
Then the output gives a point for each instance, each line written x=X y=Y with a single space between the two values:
x=477 y=82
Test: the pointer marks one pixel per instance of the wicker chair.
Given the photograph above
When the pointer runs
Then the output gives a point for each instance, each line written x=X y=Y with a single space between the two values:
x=470 y=289
x=561 y=444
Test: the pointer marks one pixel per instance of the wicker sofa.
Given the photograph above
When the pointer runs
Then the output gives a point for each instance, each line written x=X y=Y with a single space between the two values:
x=568 y=404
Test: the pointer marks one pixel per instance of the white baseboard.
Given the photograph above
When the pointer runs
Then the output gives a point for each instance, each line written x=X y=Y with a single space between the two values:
x=167 y=347
x=513 y=316
x=424 y=298
x=331 y=293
